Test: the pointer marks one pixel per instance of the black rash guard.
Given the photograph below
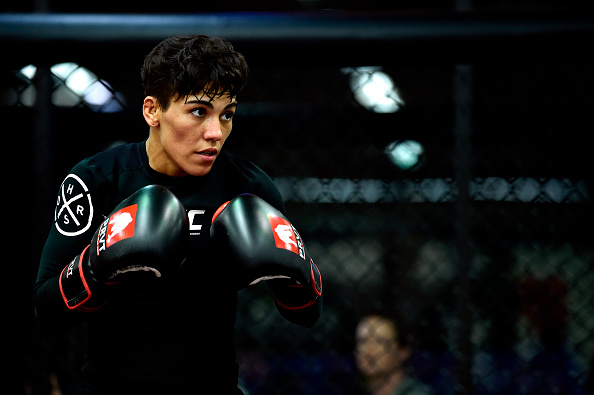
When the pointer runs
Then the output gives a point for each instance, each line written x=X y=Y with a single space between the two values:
x=173 y=335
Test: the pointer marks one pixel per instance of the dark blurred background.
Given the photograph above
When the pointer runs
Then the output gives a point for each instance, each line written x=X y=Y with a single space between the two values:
x=436 y=157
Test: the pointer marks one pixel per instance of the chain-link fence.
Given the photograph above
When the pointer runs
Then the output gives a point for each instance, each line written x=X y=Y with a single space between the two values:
x=459 y=199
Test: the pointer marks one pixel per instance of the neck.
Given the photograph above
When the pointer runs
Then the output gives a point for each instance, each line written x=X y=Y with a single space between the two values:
x=386 y=384
x=158 y=158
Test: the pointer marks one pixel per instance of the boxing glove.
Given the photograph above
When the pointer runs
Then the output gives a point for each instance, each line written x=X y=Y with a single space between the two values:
x=146 y=232
x=266 y=246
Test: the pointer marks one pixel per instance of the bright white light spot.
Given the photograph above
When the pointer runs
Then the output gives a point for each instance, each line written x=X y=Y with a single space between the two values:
x=80 y=80
x=405 y=154
x=77 y=78
x=73 y=84
x=29 y=71
x=374 y=89
x=98 y=93
x=63 y=70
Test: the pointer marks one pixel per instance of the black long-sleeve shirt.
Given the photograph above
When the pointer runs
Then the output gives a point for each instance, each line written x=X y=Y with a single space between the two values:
x=157 y=335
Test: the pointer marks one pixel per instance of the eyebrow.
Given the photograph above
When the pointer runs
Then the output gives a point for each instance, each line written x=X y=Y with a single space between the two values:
x=209 y=104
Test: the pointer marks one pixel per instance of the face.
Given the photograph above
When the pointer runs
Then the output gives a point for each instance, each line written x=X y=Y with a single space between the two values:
x=187 y=138
x=377 y=350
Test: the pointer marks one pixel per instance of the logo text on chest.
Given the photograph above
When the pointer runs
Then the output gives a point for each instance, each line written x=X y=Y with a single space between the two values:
x=195 y=217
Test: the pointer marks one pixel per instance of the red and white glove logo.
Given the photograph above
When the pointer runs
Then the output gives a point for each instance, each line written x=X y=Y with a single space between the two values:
x=285 y=235
x=120 y=226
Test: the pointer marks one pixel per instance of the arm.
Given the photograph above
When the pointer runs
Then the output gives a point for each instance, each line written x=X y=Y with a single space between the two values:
x=76 y=218
x=146 y=234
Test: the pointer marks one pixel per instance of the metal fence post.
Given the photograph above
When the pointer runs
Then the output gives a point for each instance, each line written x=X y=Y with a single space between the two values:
x=462 y=90
x=43 y=143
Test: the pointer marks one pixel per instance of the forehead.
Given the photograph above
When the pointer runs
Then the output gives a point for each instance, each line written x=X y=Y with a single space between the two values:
x=210 y=92
x=209 y=97
x=375 y=327
x=205 y=97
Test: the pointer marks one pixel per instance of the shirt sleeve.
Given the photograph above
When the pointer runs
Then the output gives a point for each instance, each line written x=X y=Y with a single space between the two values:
x=76 y=218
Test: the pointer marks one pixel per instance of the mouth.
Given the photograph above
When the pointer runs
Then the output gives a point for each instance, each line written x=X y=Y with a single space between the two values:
x=208 y=154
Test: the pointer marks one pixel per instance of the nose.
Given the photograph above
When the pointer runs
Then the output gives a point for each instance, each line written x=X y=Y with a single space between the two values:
x=213 y=130
x=370 y=347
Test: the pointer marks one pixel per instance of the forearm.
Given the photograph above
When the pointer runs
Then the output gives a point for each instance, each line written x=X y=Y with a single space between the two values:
x=50 y=310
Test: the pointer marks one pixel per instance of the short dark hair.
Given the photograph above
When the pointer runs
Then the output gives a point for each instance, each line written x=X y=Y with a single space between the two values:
x=187 y=65
x=401 y=328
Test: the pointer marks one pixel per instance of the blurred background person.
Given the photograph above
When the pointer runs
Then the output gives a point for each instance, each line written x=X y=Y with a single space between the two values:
x=382 y=351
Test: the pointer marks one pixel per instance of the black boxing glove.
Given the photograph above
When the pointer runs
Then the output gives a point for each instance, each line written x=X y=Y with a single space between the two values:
x=266 y=246
x=146 y=232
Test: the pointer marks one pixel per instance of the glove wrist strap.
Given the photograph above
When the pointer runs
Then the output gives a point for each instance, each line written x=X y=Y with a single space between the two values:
x=74 y=282
x=291 y=295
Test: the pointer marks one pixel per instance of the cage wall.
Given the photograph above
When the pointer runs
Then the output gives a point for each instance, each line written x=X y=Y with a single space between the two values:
x=482 y=245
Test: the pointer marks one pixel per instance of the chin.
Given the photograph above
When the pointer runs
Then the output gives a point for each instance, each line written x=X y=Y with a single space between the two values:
x=199 y=171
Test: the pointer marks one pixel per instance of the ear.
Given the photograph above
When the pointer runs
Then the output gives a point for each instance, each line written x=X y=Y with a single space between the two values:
x=150 y=111
x=404 y=353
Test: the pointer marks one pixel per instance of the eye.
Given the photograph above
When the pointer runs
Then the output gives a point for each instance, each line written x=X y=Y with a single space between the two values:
x=199 y=112
x=227 y=116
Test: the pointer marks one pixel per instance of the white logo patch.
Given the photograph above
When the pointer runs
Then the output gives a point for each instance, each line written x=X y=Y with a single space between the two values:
x=285 y=233
x=195 y=228
x=119 y=223
x=74 y=208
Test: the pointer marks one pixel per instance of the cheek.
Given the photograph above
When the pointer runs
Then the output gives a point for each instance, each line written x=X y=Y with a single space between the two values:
x=226 y=134
x=176 y=133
